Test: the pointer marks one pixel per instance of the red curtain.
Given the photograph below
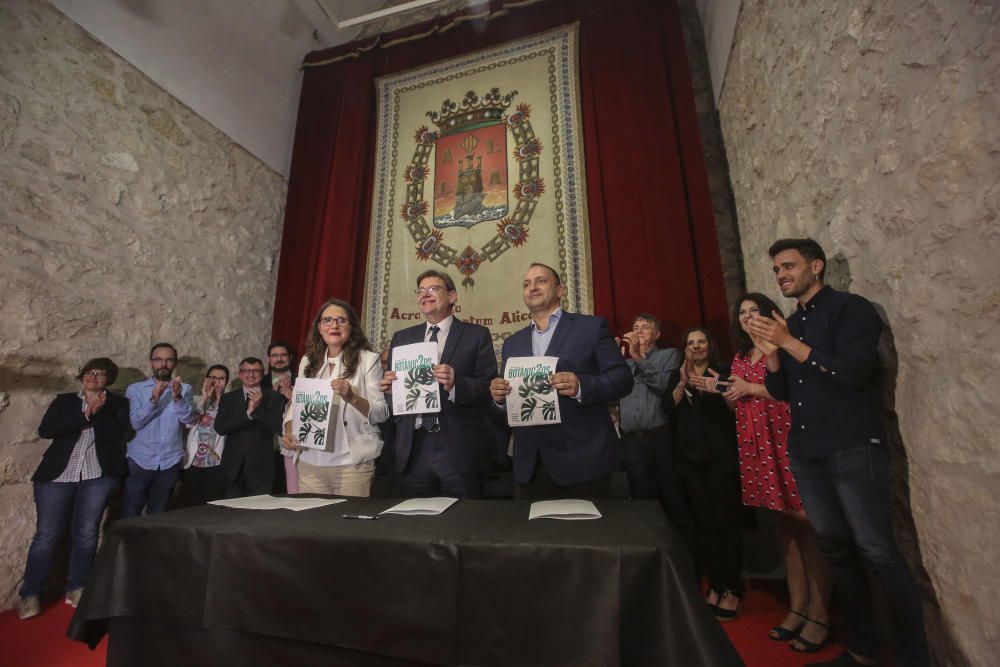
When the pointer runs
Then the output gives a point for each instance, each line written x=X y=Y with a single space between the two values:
x=652 y=231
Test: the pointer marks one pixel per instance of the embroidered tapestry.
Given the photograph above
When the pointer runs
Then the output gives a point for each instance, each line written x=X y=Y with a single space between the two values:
x=479 y=172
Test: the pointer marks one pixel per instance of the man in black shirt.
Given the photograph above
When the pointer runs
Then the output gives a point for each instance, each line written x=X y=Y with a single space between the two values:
x=824 y=361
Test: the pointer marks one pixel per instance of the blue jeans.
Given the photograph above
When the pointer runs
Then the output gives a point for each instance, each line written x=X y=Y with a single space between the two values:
x=846 y=496
x=149 y=488
x=78 y=506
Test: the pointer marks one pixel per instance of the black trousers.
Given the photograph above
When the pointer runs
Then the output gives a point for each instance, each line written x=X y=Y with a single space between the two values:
x=202 y=485
x=710 y=526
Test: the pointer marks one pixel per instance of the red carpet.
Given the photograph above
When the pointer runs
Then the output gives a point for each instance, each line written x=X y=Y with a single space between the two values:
x=42 y=641
x=761 y=612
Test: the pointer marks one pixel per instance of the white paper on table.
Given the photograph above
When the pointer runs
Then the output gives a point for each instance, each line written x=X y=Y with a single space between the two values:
x=315 y=413
x=267 y=502
x=415 y=391
x=421 y=506
x=532 y=401
x=569 y=509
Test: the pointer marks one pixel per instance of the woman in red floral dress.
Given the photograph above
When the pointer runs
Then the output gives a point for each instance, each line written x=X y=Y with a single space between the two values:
x=762 y=425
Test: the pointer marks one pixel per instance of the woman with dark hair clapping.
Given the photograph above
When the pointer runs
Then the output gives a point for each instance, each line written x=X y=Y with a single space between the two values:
x=762 y=425
x=706 y=463
x=79 y=471
x=203 y=479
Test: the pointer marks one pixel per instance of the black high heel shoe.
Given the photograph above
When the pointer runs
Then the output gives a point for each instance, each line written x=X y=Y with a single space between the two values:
x=726 y=615
x=780 y=633
x=809 y=646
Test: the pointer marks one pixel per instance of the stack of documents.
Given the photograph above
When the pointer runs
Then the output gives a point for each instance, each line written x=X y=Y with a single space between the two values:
x=421 y=506
x=563 y=509
x=272 y=503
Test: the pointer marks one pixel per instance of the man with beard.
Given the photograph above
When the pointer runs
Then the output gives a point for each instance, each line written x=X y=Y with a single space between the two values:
x=444 y=453
x=573 y=459
x=280 y=369
x=160 y=407
x=824 y=361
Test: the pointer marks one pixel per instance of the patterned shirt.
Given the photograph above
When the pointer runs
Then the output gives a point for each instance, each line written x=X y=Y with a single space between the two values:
x=206 y=456
x=83 y=463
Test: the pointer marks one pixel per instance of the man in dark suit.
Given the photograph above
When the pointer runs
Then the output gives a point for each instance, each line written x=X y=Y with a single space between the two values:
x=249 y=417
x=573 y=459
x=444 y=453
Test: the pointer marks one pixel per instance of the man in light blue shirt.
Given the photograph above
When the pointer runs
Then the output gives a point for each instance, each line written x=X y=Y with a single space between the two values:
x=160 y=407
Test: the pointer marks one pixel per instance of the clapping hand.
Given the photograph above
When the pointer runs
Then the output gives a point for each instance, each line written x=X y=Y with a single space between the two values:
x=158 y=387
x=631 y=340
x=94 y=403
x=284 y=387
x=771 y=331
x=255 y=396
x=176 y=388
x=740 y=388
x=708 y=384
x=686 y=369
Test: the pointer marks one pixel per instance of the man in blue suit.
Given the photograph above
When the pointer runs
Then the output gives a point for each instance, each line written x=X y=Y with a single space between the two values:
x=573 y=459
x=444 y=453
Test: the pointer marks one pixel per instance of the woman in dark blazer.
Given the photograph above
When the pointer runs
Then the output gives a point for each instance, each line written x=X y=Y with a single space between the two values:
x=79 y=471
x=706 y=460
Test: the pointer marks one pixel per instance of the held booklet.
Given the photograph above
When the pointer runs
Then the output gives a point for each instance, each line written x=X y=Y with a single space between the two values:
x=315 y=412
x=532 y=401
x=415 y=391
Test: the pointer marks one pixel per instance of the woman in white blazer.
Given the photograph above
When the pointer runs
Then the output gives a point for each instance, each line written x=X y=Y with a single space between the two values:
x=337 y=348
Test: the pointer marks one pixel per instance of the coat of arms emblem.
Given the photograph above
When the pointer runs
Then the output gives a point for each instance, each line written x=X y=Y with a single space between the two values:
x=471 y=185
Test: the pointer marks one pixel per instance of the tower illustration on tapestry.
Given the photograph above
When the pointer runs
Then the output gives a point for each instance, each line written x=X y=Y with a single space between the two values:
x=461 y=197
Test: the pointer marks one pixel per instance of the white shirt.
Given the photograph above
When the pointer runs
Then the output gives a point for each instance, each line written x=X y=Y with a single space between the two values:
x=444 y=326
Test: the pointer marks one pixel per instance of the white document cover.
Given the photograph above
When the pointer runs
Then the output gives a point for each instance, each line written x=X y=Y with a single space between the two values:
x=532 y=401
x=315 y=412
x=415 y=391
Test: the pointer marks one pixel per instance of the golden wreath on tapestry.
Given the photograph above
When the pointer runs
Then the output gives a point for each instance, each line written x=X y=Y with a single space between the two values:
x=479 y=172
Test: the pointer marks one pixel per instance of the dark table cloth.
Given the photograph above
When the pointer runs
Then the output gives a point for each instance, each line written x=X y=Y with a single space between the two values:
x=477 y=585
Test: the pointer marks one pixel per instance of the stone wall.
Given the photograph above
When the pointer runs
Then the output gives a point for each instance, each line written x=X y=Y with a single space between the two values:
x=723 y=207
x=873 y=127
x=125 y=219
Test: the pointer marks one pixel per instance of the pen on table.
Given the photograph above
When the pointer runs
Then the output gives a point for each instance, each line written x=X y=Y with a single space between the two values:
x=360 y=516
